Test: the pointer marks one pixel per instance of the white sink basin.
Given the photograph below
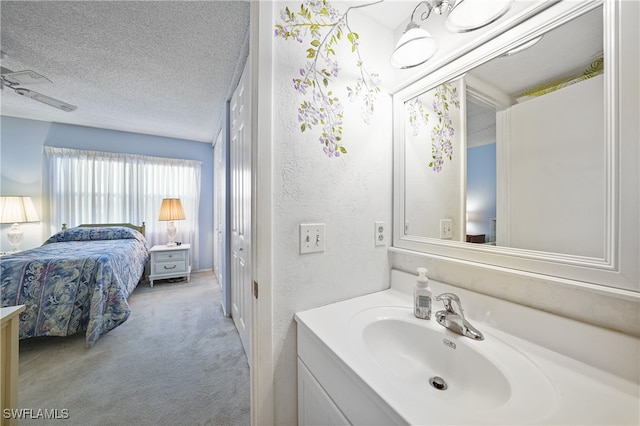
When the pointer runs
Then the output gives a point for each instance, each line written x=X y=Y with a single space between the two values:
x=488 y=376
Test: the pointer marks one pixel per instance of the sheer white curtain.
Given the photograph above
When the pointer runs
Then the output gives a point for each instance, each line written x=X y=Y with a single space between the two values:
x=104 y=187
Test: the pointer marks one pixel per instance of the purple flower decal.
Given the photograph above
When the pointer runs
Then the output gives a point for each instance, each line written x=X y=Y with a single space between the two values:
x=320 y=106
x=442 y=132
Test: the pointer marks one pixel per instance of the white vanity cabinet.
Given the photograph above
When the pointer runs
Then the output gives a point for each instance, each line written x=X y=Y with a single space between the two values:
x=315 y=407
x=330 y=392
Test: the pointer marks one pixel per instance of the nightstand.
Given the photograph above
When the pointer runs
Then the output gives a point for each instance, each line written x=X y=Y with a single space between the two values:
x=170 y=262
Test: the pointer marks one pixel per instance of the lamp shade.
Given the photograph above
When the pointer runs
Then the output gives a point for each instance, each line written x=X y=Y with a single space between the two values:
x=17 y=210
x=469 y=15
x=171 y=209
x=415 y=47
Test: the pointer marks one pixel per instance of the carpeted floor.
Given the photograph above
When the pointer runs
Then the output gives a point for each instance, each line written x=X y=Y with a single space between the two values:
x=176 y=361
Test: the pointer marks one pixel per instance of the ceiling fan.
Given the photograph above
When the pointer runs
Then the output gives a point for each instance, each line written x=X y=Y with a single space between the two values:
x=13 y=80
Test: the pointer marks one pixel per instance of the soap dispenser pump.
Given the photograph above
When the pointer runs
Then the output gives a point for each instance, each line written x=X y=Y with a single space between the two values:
x=422 y=296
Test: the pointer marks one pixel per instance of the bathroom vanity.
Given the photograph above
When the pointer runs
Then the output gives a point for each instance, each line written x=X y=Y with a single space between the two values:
x=368 y=360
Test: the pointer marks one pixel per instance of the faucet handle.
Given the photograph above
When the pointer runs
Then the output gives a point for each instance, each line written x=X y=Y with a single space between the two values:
x=447 y=299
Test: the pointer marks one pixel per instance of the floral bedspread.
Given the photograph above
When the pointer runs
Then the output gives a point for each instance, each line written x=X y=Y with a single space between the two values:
x=78 y=280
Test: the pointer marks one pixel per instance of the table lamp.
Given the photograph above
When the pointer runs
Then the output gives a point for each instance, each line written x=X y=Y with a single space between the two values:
x=17 y=210
x=171 y=210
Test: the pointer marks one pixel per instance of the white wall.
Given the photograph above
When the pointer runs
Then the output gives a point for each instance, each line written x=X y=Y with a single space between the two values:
x=348 y=194
x=429 y=195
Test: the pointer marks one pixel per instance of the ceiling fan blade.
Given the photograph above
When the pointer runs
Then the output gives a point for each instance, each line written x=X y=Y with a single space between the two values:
x=25 y=77
x=45 y=99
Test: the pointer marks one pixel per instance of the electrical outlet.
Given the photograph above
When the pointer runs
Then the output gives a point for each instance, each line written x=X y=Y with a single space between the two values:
x=379 y=234
x=311 y=238
x=446 y=229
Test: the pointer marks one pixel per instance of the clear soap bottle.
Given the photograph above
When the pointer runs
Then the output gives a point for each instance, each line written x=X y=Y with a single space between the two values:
x=422 y=296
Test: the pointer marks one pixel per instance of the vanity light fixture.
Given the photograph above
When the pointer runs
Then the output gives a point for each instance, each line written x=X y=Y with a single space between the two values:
x=416 y=45
x=523 y=46
x=469 y=15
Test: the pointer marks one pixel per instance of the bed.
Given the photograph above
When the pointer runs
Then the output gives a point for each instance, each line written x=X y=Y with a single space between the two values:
x=78 y=280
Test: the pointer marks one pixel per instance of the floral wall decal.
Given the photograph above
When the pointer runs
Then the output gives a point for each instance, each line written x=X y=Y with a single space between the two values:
x=442 y=132
x=326 y=27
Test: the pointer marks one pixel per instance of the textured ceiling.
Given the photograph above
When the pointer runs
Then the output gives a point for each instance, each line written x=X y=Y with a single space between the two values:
x=155 y=67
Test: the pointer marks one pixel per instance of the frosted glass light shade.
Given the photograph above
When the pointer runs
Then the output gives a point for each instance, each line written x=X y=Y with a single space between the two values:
x=469 y=15
x=415 y=47
x=523 y=46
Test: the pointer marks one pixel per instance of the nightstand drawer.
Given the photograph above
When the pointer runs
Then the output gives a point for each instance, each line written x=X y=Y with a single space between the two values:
x=170 y=256
x=169 y=267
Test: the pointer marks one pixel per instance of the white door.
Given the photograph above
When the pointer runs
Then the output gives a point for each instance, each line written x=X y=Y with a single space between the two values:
x=218 y=209
x=240 y=158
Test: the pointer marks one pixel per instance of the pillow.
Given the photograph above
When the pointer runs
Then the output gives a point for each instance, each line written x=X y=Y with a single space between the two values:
x=95 y=233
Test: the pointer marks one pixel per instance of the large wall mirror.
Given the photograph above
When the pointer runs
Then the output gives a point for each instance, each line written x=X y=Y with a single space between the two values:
x=508 y=157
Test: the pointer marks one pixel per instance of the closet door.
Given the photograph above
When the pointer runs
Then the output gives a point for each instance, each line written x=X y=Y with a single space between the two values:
x=240 y=163
x=218 y=214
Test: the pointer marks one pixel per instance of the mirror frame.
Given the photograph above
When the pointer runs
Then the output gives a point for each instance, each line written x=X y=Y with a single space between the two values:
x=617 y=272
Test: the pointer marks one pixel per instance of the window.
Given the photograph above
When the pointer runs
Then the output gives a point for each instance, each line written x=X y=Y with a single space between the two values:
x=103 y=187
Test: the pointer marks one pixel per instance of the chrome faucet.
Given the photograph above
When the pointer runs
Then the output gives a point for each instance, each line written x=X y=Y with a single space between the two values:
x=453 y=317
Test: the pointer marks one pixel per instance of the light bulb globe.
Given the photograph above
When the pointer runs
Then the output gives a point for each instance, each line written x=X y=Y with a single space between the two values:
x=415 y=47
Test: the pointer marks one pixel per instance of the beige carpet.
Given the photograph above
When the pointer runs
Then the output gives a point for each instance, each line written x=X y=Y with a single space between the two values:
x=176 y=361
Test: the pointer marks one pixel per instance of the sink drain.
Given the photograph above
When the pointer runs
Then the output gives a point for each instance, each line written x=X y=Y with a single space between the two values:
x=438 y=383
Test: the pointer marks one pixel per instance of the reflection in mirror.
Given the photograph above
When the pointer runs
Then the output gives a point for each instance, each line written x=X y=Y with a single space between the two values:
x=433 y=160
x=526 y=146
x=481 y=172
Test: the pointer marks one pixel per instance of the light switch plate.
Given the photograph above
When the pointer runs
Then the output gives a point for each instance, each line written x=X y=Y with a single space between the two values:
x=311 y=238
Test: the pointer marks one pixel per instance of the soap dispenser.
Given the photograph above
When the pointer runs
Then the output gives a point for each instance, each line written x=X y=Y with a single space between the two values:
x=422 y=296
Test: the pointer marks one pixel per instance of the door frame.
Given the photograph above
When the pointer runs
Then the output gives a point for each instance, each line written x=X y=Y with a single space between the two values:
x=261 y=53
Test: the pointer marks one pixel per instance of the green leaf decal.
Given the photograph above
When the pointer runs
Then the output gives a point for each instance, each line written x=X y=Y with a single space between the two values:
x=322 y=25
